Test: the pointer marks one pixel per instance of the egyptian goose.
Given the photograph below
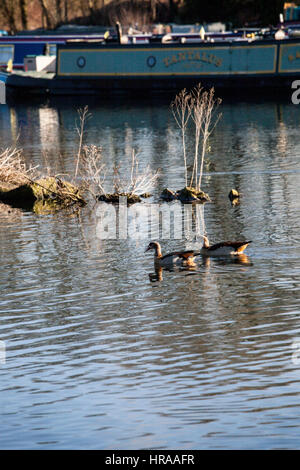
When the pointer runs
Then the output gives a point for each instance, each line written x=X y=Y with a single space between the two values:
x=223 y=248
x=179 y=258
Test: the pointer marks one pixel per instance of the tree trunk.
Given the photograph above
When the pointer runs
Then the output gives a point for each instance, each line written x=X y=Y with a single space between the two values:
x=9 y=13
x=23 y=9
x=58 y=11
x=172 y=9
x=153 y=10
x=45 y=15
x=65 y=11
x=83 y=7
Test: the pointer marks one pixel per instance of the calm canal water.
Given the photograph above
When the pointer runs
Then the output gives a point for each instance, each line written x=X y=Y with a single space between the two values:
x=96 y=354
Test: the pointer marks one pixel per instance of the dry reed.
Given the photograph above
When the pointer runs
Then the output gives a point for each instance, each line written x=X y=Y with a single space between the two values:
x=199 y=106
x=13 y=168
x=92 y=170
x=140 y=181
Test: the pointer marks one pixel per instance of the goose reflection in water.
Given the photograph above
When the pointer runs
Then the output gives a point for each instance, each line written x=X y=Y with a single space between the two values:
x=158 y=274
x=241 y=259
x=206 y=262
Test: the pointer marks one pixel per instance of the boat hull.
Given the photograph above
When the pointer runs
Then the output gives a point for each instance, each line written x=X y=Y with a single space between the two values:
x=92 y=69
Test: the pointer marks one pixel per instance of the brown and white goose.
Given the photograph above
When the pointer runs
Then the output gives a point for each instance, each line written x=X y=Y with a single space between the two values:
x=223 y=248
x=178 y=258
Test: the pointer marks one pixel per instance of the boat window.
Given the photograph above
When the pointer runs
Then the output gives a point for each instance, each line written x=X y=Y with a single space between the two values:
x=6 y=53
x=52 y=49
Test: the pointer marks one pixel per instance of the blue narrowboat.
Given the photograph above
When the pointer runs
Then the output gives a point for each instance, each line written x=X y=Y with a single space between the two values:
x=16 y=48
x=166 y=64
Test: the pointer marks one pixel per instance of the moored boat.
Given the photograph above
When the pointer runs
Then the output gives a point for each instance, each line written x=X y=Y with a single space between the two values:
x=161 y=64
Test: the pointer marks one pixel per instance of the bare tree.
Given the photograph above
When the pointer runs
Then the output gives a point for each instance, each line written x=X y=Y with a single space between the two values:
x=45 y=14
x=84 y=115
x=153 y=9
x=8 y=10
x=65 y=11
x=172 y=9
x=23 y=10
x=182 y=109
x=59 y=12
x=205 y=106
x=200 y=105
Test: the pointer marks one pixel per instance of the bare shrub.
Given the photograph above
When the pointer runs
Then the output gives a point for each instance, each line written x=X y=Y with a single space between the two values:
x=182 y=108
x=92 y=170
x=204 y=109
x=84 y=115
x=13 y=168
x=199 y=106
x=140 y=181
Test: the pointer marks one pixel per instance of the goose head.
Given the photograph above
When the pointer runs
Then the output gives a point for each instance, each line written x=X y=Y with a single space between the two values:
x=154 y=246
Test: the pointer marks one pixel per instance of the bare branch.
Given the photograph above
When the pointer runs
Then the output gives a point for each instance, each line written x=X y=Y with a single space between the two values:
x=84 y=115
x=182 y=109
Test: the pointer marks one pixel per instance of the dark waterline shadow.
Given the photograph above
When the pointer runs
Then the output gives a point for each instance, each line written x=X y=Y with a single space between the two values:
x=229 y=96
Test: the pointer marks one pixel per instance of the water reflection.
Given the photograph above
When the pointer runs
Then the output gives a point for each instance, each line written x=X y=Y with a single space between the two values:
x=49 y=129
x=202 y=263
x=122 y=128
x=97 y=340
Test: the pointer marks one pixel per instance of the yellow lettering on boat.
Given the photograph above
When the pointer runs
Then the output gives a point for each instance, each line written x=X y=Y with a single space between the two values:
x=204 y=57
x=193 y=56
x=292 y=57
x=181 y=56
x=211 y=58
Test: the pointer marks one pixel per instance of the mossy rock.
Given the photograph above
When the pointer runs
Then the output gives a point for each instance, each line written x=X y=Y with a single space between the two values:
x=54 y=188
x=146 y=195
x=115 y=197
x=168 y=195
x=235 y=202
x=189 y=194
x=185 y=195
x=60 y=193
x=233 y=194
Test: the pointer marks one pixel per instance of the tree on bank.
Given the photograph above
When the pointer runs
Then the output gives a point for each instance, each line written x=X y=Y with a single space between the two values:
x=16 y=15
x=237 y=12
